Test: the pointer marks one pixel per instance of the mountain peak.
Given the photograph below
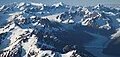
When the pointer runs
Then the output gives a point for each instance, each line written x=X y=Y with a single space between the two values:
x=58 y=4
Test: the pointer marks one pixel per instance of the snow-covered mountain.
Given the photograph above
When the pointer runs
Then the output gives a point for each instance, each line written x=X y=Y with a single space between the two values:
x=58 y=30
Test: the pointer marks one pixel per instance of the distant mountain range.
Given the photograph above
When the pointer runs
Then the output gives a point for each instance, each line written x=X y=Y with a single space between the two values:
x=58 y=30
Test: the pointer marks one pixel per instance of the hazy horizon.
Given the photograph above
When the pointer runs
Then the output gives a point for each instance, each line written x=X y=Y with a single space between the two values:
x=69 y=2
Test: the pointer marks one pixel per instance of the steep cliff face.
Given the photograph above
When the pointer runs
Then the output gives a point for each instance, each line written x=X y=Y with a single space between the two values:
x=38 y=30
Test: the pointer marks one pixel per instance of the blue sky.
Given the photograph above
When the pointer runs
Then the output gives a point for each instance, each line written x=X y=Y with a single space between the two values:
x=70 y=2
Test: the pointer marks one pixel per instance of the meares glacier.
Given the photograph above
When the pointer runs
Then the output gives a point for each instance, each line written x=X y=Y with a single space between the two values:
x=59 y=30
